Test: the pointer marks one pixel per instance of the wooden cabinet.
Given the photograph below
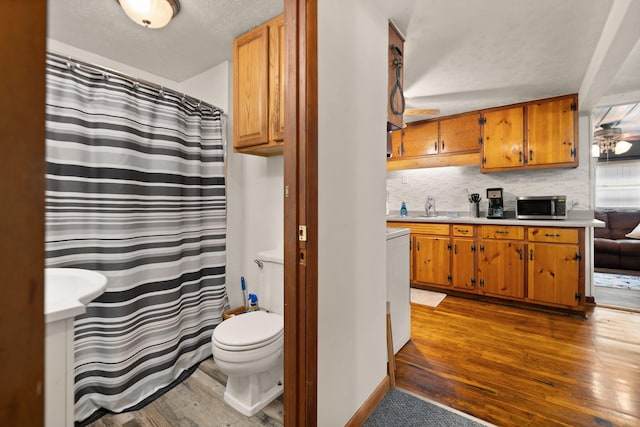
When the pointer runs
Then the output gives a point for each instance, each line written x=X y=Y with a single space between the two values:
x=460 y=134
x=540 y=265
x=463 y=256
x=552 y=132
x=503 y=139
x=453 y=141
x=396 y=144
x=258 y=90
x=550 y=139
x=432 y=259
x=554 y=266
x=420 y=139
x=394 y=93
x=530 y=135
x=501 y=263
x=431 y=253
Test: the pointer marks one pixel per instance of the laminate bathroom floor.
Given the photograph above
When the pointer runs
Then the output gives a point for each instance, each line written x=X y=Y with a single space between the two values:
x=196 y=402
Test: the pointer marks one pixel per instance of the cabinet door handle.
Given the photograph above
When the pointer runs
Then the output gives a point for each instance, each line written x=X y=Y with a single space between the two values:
x=530 y=254
x=418 y=245
x=455 y=249
x=443 y=144
x=520 y=156
x=502 y=232
x=551 y=235
x=435 y=146
x=462 y=231
x=530 y=155
x=520 y=253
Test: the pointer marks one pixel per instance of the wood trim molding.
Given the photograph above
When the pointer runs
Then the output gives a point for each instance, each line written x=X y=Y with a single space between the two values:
x=22 y=170
x=369 y=405
x=300 y=208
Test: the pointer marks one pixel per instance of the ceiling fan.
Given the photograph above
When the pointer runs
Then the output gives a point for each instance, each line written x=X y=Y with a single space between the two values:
x=610 y=138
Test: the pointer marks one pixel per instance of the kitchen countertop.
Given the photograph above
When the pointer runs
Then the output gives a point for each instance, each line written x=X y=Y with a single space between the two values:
x=574 y=219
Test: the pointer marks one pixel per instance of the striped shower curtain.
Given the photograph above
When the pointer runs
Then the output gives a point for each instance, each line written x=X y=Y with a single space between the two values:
x=135 y=190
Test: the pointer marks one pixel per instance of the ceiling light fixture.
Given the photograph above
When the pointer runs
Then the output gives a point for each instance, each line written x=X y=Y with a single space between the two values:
x=150 y=13
x=608 y=139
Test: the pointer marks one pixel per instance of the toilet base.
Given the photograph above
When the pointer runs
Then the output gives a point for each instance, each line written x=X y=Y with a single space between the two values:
x=249 y=394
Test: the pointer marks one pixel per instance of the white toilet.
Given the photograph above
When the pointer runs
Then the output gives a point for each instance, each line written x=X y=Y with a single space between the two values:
x=249 y=348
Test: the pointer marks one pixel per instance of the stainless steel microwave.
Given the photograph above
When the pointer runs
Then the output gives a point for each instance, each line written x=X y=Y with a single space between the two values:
x=541 y=207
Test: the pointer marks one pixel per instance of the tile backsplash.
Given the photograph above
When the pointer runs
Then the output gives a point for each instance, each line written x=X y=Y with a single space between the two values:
x=449 y=185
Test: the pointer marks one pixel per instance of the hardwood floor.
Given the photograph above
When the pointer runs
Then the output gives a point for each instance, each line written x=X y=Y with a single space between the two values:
x=196 y=402
x=518 y=367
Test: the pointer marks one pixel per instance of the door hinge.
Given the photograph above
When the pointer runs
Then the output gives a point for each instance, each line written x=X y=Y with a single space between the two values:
x=473 y=281
x=482 y=283
x=484 y=161
x=302 y=233
x=473 y=248
x=482 y=121
x=578 y=296
x=481 y=248
x=573 y=152
x=449 y=246
x=578 y=256
x=480 y=141
x=449 y=278
x=574 y=107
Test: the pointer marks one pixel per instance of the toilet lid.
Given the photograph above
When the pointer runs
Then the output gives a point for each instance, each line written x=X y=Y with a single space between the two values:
x=248 y=329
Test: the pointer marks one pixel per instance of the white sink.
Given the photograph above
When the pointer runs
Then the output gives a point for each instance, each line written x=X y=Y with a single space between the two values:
x=67 y=291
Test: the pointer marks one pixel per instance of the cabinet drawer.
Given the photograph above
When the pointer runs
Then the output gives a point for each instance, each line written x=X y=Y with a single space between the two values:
x=422 y=228
x=502 y=232
x=549 y=234
x=462 y=230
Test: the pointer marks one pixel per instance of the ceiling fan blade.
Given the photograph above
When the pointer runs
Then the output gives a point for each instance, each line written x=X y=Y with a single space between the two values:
x=418 y=112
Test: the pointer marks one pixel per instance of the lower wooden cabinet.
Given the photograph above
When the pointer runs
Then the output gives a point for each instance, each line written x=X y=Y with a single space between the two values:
x=554 y=266
x=501 y=268
x=540 y=265
x=463 y=257
x=432 y=260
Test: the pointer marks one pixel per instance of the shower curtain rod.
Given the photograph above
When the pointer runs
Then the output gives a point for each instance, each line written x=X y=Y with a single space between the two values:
x=136 y=80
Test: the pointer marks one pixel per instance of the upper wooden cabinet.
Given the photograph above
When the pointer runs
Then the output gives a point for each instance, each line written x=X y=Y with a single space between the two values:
x=258 y=90
x=394 y=97
x=535 y=135
x=420 y=140
x=530 y=135
x=503 y=139
x=453 y=141
x=552 y=132
x=460 y=134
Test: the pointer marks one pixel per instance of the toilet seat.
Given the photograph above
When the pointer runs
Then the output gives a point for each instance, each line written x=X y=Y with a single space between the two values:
x=248 y=331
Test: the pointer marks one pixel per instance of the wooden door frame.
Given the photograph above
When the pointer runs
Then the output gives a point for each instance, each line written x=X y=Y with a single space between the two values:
x=22 y=184
x=301 y=209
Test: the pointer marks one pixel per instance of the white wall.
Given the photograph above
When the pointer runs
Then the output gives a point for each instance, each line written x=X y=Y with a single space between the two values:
x=352 y=85
x=254 y=184
x=449 y=184
x=55 y=46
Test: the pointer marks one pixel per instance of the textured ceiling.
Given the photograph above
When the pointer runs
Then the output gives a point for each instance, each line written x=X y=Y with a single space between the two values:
x=460 y=55
x=198 y=38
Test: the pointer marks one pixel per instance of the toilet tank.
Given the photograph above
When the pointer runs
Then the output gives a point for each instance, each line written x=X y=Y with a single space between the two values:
x=271 y=281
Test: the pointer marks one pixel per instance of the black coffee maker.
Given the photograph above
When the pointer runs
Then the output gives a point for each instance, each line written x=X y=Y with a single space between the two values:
x=496 y=203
